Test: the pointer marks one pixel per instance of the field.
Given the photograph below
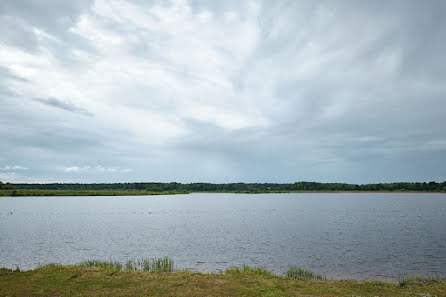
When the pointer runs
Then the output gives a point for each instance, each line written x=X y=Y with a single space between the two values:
x=95 y=278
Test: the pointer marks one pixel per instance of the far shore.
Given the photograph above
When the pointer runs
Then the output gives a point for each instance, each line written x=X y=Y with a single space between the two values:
x=14 y=193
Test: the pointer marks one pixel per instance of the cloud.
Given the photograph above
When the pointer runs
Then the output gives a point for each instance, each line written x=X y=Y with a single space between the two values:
x=280 y=91
x=98 y=168
x=14 y=167
x=54 y=102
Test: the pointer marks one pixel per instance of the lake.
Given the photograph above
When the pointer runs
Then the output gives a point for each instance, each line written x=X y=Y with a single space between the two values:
x=342 y=235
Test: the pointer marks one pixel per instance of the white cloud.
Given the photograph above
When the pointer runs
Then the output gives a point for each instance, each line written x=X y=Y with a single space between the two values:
x=98 y=168
x=76 y=169
x=14 y=167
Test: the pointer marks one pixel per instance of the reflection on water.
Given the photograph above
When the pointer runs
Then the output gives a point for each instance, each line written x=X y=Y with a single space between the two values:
x=341 y=235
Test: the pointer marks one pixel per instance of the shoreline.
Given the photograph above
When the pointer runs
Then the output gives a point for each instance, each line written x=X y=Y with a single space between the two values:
x=30 y=193
x=95 y=278
x=60 y=193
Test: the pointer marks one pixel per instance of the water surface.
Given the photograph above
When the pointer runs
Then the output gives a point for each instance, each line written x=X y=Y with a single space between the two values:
x=350 y=235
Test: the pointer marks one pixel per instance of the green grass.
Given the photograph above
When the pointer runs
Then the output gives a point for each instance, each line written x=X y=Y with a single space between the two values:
x=160 y=265
x=98 y=278
x=116 y=266
x=249 y=270
x=419 y=280
x=295 y=272
x=14 y=193
x=151 y=265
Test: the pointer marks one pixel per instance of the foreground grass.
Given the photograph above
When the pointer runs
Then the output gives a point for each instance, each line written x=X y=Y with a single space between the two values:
x=88 y=279
x=83 y=193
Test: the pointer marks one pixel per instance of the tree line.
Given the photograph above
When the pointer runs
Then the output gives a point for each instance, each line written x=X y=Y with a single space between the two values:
x=236 y=187
x=6 y=186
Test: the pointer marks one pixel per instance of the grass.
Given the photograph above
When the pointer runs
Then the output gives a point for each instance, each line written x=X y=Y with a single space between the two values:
x=417 y=280
x=98 y=278
x=115 y=266
x=151 y=265
x=295 y=272
x=83 y=193
x=160 y=265
x=249 y=271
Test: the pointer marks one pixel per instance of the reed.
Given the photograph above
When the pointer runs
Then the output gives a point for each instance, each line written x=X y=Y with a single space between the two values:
x=245 y=269
x=110 y=265
x=419 y=280
x=295 y=272
x=164 y=265
x=49 y=265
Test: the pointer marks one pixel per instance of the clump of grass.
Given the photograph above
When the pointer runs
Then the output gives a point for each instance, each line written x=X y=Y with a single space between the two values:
x=295 y=272
x=419 y=280
x=245 y=269
x=4 y=270
x=50 y=265
x=115 y=266
x=129 y=266
x=165 y=264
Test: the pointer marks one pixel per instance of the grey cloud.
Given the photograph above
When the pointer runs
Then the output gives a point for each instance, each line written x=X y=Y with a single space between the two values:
x=54 y=102
x=52 y=16
x=19 y=20
x=15 y=32
x=7 y=74
x=350 y=91
x=5 y=78
x=415 y=29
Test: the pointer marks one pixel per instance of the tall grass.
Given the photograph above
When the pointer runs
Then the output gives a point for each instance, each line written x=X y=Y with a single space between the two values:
x=295 y=272
x=245 y=269
x=116 y=266
x=50 y=265
x=419 y=280
x=165 y=264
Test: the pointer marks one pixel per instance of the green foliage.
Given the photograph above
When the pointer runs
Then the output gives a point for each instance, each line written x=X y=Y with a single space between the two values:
x=50 y=265
x=249 y=270
x=74 y=281
x=55 y=280
x=115 y=266
x=174 y=187
x=37 y=192
x=419 y=280
x=4 y=270
x=6 y=186
x=165 y=264
x=295 y=272
x=129 y=266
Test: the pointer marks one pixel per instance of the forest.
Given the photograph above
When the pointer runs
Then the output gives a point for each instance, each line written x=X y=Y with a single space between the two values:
x=233 y=187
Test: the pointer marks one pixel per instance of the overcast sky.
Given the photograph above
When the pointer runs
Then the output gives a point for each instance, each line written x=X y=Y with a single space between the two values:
x=222 y=91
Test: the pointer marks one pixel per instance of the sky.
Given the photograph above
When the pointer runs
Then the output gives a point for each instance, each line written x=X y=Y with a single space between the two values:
x=222 y=91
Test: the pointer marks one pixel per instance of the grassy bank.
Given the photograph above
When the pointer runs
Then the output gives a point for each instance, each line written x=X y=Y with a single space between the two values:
x=95 y=278
x=84 y=193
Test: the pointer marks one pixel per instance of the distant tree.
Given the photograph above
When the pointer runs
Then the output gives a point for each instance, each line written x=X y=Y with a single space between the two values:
x=6 y=186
